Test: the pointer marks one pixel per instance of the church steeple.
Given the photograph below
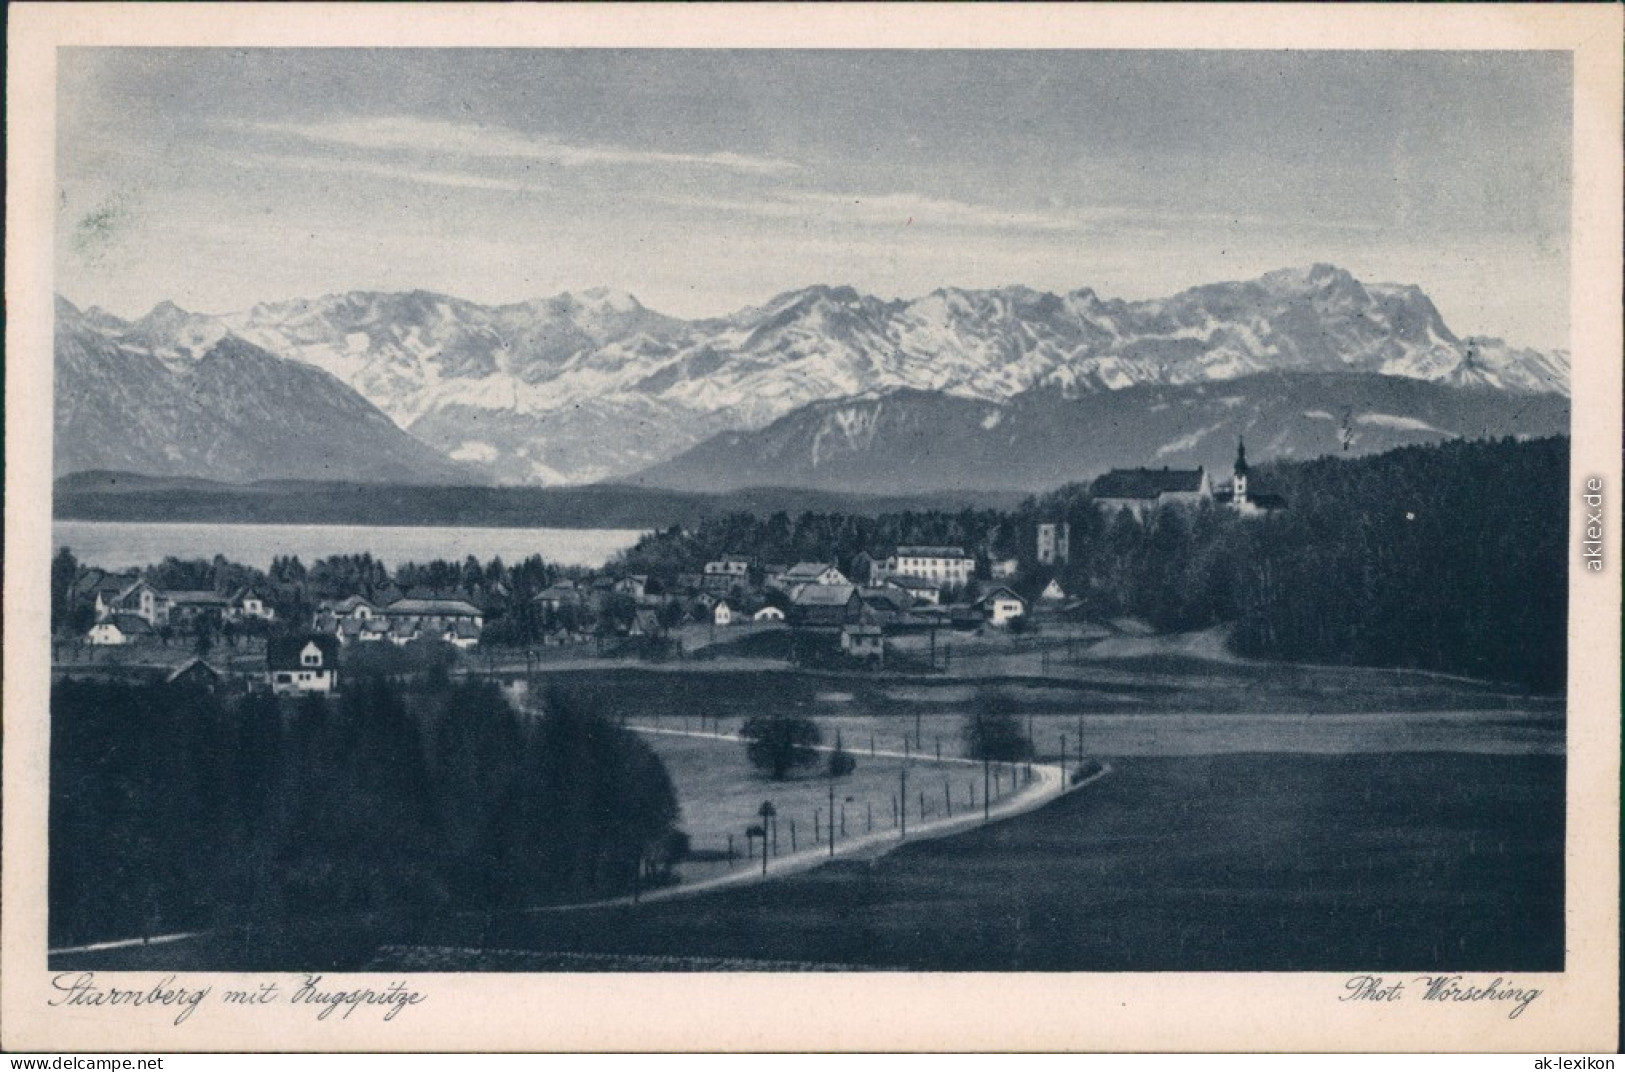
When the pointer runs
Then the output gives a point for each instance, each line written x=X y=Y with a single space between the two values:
x=1238 y=481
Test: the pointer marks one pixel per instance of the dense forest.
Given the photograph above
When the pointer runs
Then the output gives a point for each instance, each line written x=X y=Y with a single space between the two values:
x=174 y=809
x=1447 y=557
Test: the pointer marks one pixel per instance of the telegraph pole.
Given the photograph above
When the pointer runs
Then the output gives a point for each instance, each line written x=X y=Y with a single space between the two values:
x=832 y=816
x=902 y=799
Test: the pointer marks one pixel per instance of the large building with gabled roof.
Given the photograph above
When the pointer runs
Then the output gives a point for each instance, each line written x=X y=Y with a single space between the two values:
x=1143 y=491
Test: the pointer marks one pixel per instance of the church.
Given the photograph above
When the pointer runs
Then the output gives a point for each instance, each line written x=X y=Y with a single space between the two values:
x=1143 y=491
x=1241 y=496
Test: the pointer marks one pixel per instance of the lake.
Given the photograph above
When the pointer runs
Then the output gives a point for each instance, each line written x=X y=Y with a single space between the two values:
x=120 y=544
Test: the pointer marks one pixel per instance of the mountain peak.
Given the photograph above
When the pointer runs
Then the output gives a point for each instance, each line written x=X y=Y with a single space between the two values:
x=610 y=298
x=164 y=312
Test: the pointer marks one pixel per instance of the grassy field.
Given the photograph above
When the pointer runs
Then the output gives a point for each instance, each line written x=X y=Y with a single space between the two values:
x=1209 y=863
x=721 y=793
x=1216 y=863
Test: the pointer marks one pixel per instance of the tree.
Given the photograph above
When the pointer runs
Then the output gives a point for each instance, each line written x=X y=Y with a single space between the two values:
x=780 y=744
x=841 y=762
x=64 y=571
x=993 y=732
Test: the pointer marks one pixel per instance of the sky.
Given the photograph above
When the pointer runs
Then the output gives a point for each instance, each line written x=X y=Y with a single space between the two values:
x=706 y=181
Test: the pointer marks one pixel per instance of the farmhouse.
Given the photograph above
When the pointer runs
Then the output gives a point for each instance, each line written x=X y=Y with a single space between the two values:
x=864 y=641
x=119 y=629
x=726 y=572
x=194 y=674
x=1001 y=606
x=562 y=594
x=251 y=603
x=140 y=599
x=189 y=606
x=818 y=573
x=295 y=665
x=949 y=566
x=722 y=613
x=826 y=605
x=357 y=608
x=1143 y=491
x=918 y=589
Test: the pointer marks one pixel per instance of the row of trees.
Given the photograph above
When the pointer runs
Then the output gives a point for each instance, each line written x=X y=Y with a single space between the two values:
x=173 y=809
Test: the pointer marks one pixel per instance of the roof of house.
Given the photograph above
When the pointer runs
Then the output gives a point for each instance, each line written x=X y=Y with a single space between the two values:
x=132 y=588
x=894 y=598
x=463 y=630
x=1002 y=590
x=1147 y=483
x=187 y=667
x=825 y=595
x=808 y=570
x=196 y=597
x=928 y=551
x=647 y=621
x=129 y=624
x=432 y=606
x=282 y=653
x=564 y=592
x=863 y=629
x=921 y=584
x=349 y=603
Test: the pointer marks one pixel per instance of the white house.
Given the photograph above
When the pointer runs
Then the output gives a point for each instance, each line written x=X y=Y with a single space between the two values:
x=250 y=603
x=119 y=629
x=722 y=613
x=296 y=665
x=1004 y=568
x=140 y=599
x=1001 y=606
x=1052 y=593
x=768 y=614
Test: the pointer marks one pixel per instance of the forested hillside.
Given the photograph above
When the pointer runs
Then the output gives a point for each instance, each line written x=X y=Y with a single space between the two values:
x=174 y=809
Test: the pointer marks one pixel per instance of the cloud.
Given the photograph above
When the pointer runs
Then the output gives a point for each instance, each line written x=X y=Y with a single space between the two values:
x=421 y=176
x=903 y=209
x=435 y=136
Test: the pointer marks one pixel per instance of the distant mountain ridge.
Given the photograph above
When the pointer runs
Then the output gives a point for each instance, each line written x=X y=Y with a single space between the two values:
x=180 y=398
x=1044 y=438
x=595 y=386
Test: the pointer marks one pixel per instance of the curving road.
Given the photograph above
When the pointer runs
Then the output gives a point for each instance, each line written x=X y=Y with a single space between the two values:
x=1049 y=783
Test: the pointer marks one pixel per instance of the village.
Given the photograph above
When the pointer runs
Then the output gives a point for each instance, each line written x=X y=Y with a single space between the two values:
x=901 y=607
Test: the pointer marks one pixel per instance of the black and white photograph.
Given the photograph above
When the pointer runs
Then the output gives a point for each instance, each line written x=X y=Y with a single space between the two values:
x=532 y=511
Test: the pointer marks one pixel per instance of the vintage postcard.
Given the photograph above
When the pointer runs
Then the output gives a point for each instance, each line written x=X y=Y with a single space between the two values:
x=812 y=527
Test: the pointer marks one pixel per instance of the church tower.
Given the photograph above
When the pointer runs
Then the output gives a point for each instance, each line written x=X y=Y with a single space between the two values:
x=1238 y=480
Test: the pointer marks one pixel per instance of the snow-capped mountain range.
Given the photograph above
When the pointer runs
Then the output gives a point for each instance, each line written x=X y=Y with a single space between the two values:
x=595 y=386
